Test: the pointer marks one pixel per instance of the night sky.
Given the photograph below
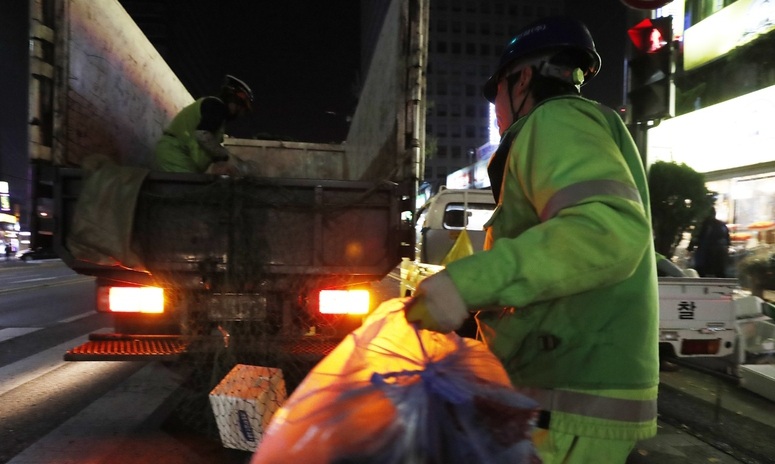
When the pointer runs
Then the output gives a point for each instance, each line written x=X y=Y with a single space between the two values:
x=301 y=59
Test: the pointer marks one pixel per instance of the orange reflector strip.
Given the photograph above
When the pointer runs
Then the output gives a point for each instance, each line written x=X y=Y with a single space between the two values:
x=136 y=300
x=344 y=301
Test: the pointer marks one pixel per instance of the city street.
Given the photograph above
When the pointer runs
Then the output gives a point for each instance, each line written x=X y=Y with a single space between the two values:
x=132 y=412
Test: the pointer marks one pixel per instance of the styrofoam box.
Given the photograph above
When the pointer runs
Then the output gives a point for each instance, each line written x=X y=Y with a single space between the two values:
x=759 y=378
x=243 y=404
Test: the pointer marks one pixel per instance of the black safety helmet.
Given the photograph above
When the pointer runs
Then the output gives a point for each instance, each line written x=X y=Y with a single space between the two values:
x=237 y=89
x=560 y=34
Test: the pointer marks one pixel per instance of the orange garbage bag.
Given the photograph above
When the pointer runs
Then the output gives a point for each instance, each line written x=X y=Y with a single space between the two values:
x=390 y=394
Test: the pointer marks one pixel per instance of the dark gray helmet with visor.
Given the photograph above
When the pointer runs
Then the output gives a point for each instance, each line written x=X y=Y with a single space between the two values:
x=546 y=37
x=239 y=90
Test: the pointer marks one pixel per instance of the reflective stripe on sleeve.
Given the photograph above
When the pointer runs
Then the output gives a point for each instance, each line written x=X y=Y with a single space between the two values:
x=590 y=405
x=573 y=194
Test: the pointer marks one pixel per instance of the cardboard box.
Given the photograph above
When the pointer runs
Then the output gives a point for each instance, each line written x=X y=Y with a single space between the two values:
x=243 y=404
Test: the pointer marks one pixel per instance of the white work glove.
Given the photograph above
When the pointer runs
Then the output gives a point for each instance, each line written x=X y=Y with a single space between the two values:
x=437 y=305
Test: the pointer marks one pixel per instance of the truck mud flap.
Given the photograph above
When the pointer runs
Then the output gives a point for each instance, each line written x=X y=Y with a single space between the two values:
x=122 y=347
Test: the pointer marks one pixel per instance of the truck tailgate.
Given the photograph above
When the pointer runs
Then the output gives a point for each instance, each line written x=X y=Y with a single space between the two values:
x=189 y=226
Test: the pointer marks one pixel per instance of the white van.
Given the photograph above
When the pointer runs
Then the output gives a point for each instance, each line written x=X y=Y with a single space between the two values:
x=445 y=215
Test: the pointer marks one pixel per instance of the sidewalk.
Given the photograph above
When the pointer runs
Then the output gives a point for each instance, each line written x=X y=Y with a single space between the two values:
x=674 y=445
x=704 y=418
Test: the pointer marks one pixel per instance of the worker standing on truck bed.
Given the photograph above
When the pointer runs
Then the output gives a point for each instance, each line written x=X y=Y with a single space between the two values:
x=192 y=140
x=566 y=288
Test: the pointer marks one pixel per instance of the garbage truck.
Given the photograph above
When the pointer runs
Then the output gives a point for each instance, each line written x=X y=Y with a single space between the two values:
x=276 y=261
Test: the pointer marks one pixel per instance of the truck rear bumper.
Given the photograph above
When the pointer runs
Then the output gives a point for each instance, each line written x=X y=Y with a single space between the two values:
x=121 y=347
x=125 y=347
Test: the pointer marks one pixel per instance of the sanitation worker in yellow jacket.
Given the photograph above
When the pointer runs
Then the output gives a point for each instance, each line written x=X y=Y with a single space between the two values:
x=566 y=290
x=192 y=140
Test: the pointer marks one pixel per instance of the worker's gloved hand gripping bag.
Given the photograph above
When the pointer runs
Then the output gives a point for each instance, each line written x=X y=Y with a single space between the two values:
x=390 y=394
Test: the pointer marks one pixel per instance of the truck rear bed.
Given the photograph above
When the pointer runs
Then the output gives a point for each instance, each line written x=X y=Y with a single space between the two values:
x=236 y=232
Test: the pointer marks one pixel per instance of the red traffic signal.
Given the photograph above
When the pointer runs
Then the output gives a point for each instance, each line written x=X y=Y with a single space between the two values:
x=651 y=91
x=651 y=35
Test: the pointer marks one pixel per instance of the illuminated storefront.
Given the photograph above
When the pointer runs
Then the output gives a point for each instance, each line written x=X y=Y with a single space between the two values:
x=726 y=126
x=9 y=226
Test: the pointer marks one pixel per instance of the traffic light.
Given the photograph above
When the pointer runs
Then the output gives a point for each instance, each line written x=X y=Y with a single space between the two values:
x=651 y=91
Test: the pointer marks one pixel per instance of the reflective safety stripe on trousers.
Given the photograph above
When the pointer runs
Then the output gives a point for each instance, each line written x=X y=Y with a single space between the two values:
x=573 y=194
x=591 y=405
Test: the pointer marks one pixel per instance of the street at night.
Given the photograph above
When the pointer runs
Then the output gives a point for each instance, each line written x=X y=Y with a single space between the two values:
x=131 y=412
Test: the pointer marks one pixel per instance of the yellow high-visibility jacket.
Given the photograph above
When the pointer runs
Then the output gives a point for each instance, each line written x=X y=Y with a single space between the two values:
x=570 y=268
x=178 y=149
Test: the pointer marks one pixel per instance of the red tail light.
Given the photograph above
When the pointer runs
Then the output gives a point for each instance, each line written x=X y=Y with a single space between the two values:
x=130 y=299
x=702 y=346
x=344 y=301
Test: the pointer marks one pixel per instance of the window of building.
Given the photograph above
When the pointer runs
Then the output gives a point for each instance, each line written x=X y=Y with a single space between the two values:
x=442 y=131
x=455 y=111
x=441 y=26
x=441 y=88
x=441 y=47
x=484 y=49
x=484 y=28
x=456 y=132
x=470 y=49
x=442 y=151
x=697 y=10
x=470 y=131
x=456 y=151
x=457 y=27
x=470 y=28
x=457 y=48
x=441 y=109
x=471 y=90
x=470 y=111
